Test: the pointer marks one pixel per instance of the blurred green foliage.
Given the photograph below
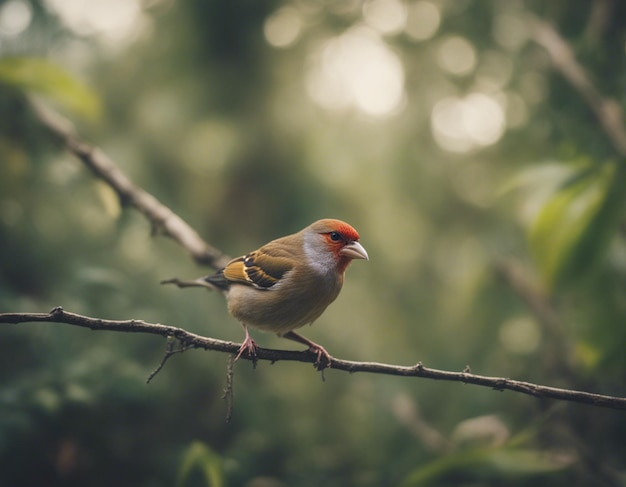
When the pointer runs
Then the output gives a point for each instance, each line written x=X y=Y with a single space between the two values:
x=252 y=119
x=40 y=76
x=199 y=457
x=575 y=226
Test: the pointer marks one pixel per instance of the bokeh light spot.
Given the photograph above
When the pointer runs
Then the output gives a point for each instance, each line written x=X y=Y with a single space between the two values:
x=510 y=31
x=358 y=70
x=516 y=111
x=457 y=56
x=112 y=20
x=15 y=17
x=464 y=124
x=386 y=16
x=283 y=27
x=483 y=119
x=520 y=335
x=423 y=19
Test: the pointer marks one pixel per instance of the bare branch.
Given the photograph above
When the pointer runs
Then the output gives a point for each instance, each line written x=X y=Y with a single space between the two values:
x=192 y=340
x=162 y=218
x=607 y=110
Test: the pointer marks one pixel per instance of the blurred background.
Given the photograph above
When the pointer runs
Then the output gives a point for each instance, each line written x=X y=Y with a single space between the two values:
x=489 y=196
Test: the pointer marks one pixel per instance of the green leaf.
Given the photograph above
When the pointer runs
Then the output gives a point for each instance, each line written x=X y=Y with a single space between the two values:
x=573 y=228
x=514 y=462
x=200 y=457
x=495 y=462
x=537 y=177
x=447 y=464
x=42 y=77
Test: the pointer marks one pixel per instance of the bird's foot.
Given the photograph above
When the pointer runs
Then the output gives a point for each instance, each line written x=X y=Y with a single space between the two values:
x=249 y=348
x=324 y=359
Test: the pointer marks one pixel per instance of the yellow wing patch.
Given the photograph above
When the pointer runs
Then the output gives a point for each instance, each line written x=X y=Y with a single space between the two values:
x=257 y=269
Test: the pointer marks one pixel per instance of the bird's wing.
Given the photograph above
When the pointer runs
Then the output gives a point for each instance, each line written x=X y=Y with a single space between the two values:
x=260 y=269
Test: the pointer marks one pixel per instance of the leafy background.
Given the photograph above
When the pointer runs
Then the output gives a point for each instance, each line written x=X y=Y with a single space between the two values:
x=489 y=198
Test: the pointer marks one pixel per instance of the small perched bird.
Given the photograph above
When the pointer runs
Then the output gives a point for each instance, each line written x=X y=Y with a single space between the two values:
x=288 y=282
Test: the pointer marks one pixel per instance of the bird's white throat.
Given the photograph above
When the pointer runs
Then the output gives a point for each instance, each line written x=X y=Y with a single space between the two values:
x=320 y=260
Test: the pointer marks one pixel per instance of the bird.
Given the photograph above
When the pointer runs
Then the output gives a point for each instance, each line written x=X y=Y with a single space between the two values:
x=287 y=283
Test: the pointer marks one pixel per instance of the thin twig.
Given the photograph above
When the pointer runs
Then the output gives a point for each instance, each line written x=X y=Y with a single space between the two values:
x=229 y=393
x=191 y=340
x=169 y=351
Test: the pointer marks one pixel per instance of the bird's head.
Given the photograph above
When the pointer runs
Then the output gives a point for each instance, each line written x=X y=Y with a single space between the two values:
x=333 y=243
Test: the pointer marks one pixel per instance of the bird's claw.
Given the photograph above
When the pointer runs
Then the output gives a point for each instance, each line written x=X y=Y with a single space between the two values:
x=249 y=348
x=324 y=360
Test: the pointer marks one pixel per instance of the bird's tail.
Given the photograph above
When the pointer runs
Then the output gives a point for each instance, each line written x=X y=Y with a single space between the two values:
x=217 y=281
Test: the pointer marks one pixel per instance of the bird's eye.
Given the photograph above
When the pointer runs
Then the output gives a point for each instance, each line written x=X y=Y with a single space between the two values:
x=335 y=236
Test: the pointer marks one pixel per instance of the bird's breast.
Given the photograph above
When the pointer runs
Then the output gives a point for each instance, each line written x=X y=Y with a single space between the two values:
x=293 y=302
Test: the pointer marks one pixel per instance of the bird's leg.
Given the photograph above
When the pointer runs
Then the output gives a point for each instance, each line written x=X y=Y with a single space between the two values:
x=249 y=347
x=313 y=347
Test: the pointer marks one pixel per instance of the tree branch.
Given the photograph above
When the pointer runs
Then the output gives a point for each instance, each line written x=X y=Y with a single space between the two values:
x=161 y=217
x=607 y=110
x=192 y=340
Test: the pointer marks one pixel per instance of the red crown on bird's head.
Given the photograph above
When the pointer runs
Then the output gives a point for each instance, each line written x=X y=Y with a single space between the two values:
x=328 y=225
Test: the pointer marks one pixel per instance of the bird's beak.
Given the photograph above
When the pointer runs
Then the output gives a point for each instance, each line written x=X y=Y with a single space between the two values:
x=354 y=250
